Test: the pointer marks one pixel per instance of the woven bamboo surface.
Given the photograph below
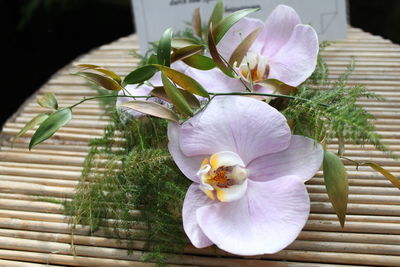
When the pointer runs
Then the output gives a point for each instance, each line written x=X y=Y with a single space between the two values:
x=34 y=232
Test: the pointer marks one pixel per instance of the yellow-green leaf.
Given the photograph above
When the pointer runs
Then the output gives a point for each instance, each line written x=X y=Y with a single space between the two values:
x=100 y=80
x=186 y=52
x=384 y=172
x=140 y=74
x=196 y=22
x=336 y=183
x=48 y=100
x=105 y=71
x=224 y=25
x=32 y=123
x=217 y=14
x=181 y=42
x=176 y=97
x=279 y=87
x=190 y=98
x=183 y=81
x=219 y=61
x=48 y=127
x=164 y=48
x=200 y=62
x=152 y=109
x=241 y=50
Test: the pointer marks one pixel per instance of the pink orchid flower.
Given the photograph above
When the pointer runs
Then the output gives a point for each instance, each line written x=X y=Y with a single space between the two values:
x=248 y=195
x=285 y=50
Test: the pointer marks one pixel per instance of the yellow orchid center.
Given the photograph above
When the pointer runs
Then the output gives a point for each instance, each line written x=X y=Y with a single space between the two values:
x=254 y=67
x=223 y=176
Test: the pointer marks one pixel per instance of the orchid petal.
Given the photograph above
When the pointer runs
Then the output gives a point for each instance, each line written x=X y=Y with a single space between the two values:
x=278 y=29
x=195 y=199
x=267 y=219
x=302 y=158
x=188 y=165
x=245 y=126
x=297 y=59
x=216 y=81
x=236 y=34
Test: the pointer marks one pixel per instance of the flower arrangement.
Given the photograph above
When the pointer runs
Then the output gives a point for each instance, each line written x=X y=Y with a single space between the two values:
x=222 y=125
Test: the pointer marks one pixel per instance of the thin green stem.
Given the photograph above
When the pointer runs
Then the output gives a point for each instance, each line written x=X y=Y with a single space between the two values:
x=103 y=96
x=264 y=94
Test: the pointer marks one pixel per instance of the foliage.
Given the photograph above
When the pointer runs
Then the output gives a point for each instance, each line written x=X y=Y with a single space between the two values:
x=138 y=174
x=332 y=111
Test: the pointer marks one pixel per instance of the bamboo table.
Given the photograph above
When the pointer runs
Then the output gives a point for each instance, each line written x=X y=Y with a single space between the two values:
x=34 y=231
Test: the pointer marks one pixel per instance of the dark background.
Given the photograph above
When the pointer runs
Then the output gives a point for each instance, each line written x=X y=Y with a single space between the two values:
x=38 y=37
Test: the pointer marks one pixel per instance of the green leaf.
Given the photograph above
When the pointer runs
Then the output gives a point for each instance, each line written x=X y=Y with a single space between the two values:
x=223 y=26
x=196 y=22
x=152 y=59
x=336 y=183
x=176 y=97
x=384 y=172
x=140 y=74
x=48 y=127
x=279 y=87
x=217 y=14
x=219 y=61
x=183 y=81
x=48 y=100
x=32 y=123
x=190 y=98
x=200 y=62
x=164 y=48
x=105 y=71
x=241 y=50
x=101 y=80
x=183 y=42
x=152 y=109
x=186 y=52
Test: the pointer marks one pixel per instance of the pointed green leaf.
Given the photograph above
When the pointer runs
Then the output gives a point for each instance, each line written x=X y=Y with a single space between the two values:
x=242 y=49
x=140 y=74
x=32 y=123
x=182 y=42
x=196 y=22
x=336 y=183
x=183 y=81
x=217 y=14
x=186 y=52
x=48 y=100
x=101 y=80
x=48 y=127
x=105 y=71
x=384 y=172
x=200 y=62
x=164 y=48
x=177 y=99
x=219 y=61
x=152 y=109
x=190 y=98
x=152 y=59
x=224 y=25
x=279 y=87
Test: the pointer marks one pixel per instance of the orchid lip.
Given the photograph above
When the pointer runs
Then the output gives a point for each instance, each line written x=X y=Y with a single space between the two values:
x=254 y=67
x=223 y=176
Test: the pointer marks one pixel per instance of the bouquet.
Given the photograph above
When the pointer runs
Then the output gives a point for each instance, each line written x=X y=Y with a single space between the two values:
x=214 y=135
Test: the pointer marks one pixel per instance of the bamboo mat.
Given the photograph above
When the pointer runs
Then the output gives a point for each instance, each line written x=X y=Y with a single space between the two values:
x=34 y=231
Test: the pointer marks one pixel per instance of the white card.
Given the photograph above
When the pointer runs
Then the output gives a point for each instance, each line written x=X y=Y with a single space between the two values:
x=152 y=17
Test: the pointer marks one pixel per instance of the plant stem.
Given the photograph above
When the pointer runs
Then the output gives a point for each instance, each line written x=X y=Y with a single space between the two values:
x=264 y=94
x=103 y=96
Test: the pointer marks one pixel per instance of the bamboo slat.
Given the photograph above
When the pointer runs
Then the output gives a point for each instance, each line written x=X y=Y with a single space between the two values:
x=35 y=232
